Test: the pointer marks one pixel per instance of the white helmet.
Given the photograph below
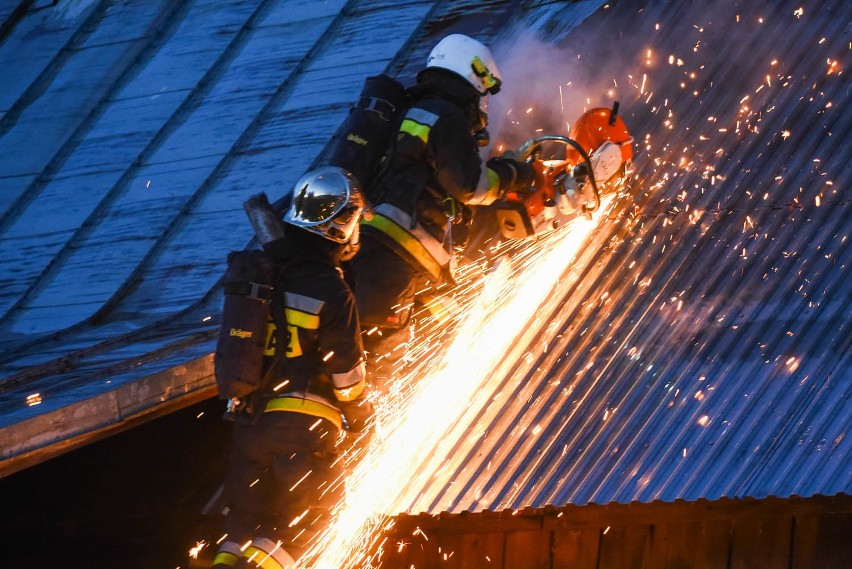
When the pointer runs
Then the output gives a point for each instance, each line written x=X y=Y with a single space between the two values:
x=468 y=58
x=327 y=201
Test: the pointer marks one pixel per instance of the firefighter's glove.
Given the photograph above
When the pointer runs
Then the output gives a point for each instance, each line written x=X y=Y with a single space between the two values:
x=524 y=151
x=514 y=176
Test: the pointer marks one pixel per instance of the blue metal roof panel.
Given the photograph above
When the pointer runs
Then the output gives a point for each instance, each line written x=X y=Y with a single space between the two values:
x=705 y=352
x=22 y=60
x=702 y=353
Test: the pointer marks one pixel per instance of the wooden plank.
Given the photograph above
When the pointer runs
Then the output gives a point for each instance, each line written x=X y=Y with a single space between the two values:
x=28 y=255
x=763 y=542
x=692 y=545
x=593 y=515
x=406 y=549
x=463 y=551
x=30 y=43
x=754 y=534
x=822 y=541
x=409 y=546
x=527 y=550
x=575 y=548
x=624 y=547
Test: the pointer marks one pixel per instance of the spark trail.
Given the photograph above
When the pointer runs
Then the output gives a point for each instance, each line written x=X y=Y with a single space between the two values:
x=447 y=393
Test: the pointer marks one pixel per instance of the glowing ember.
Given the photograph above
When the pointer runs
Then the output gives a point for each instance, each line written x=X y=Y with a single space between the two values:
x=446 y=389
x=193 y=553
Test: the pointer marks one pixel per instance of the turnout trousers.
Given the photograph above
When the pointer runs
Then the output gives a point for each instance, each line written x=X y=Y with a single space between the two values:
x=283 y=479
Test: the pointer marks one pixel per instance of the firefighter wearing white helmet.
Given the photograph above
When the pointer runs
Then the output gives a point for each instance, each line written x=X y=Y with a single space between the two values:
x=468 y=58
x=424 y=198
x=283 y=458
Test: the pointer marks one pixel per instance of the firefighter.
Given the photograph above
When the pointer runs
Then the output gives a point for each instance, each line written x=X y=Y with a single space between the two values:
x=283 y=476
x=423 y=198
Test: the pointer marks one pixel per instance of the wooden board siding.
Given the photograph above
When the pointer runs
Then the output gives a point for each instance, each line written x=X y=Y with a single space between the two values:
x=727 y=534
x=822 y=541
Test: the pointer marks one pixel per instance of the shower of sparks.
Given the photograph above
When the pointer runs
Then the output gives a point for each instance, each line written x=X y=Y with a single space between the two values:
x=425 y=418
x=446 y=391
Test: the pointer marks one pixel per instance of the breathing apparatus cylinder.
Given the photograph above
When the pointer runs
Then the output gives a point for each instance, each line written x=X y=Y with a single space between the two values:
x=365 y=135
x=268 y=226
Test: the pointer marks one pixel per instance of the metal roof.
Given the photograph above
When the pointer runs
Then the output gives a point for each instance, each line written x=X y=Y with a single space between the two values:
x=131 y=134
x=704 y=350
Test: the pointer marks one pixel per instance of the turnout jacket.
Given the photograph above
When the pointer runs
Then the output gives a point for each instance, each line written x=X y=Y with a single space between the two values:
x=433 y=173
x=315 y=324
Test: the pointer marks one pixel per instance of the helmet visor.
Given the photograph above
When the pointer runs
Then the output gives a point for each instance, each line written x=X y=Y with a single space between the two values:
x=343 y=225
x=319 y=201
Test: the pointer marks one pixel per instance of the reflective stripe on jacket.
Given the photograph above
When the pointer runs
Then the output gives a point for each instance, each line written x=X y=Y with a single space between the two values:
x=261 y=552
x=307 y=404
x=324 y=369
x=412 y=237
x=433 y=172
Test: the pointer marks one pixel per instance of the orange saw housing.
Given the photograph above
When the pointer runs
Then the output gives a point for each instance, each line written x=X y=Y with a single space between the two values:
x=529 y=212
x=595 y=127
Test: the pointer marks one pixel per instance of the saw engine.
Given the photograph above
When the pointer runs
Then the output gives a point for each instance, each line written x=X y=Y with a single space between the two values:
x=598 y=161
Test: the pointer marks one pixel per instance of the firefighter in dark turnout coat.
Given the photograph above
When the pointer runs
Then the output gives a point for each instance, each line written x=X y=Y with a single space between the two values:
x=421 y=200
x=283 y=475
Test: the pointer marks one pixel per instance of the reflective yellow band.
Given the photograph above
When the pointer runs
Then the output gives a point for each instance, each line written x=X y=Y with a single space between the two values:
x=260 y=558
x=302 y=319
x=408 y=242
x=294 y=347
x=268 y=548
x=493 y=180
x=271 y=338
x=226 y=558
x=415 y=129
x=440 y=307
x=307 y=407
x=350 y=393
x=487 y=188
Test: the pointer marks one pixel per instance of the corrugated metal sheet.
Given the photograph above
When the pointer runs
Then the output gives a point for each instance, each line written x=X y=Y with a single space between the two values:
x=703 y=353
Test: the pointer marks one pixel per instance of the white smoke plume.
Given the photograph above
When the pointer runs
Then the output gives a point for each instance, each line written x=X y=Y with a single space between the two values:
x=545 y=88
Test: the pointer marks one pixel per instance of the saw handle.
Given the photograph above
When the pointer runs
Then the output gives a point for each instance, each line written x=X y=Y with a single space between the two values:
x=613 y=113
x=534 y=142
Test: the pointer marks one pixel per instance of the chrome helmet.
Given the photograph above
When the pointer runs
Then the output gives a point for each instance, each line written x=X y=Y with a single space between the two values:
x=327 y=201
x=468 y=58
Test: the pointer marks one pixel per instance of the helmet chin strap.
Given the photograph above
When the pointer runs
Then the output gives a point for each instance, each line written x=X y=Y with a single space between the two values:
x=478 y=120
x=351 y=247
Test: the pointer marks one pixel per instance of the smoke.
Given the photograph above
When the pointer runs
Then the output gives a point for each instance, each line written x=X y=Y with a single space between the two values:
x=545 y=88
